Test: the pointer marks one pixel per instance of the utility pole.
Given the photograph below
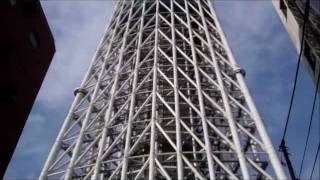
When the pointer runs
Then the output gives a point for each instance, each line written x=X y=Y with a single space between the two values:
x=284 y=150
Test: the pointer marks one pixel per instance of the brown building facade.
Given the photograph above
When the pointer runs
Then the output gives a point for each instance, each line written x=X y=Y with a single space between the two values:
x=26 y=50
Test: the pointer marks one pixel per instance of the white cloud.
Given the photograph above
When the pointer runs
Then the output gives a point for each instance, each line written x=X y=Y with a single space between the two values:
x=263 y=48
x=259 y=42
x=255 y=34
x=77 y=28
x=77 y=35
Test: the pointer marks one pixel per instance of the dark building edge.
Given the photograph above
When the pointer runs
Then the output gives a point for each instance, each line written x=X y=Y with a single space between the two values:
x=26 y=50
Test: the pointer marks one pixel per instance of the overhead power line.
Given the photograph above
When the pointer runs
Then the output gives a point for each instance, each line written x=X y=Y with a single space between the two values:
x=282 y=147
x=310 y=123
x=305 y=20
x=315 y=162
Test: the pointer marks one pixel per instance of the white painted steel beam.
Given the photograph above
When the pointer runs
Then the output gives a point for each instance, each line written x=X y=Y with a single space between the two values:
x=163 y=99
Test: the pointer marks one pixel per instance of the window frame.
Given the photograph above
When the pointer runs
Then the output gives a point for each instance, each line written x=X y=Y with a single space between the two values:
x=34 y=39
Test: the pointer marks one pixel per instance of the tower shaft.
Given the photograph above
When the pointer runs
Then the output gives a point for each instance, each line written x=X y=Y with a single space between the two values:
x=163 y=99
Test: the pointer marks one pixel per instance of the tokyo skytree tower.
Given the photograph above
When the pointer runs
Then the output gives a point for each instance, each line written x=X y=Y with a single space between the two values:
x=163 y=99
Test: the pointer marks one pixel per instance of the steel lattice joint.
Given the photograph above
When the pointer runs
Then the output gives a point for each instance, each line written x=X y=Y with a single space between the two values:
x=163 y=99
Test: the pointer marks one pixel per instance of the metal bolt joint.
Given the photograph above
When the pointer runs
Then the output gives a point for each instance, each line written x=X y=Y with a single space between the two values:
x=240 y=70
x=79 y=90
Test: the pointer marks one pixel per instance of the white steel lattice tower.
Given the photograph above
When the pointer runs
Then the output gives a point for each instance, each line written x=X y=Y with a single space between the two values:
x=163 y=99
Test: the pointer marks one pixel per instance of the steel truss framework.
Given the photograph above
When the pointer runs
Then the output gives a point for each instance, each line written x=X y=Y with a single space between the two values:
x=163 y=99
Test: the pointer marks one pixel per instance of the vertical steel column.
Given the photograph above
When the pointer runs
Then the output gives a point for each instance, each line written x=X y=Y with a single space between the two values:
x=133 y=97
x=117 y=127
x=56 y=146
x=154 y=99
x=176 y=94
x=256 y=116
x=226 y=103
x=113 y=92
x=200 y=97
x=69 y=170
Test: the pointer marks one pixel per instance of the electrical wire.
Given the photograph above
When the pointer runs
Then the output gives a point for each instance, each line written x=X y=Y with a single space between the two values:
x=315 y=162
x=282 y=147
x=305 y=20
x=310 y=123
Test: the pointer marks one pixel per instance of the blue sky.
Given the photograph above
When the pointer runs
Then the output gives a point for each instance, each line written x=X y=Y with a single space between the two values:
x=254 y=31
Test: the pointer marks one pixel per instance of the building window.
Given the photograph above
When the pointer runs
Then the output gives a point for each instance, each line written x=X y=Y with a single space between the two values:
x=13 y=2
x=34 y=40
x=30 y=7
x=7 y=94
x=308 y=56
x=4 y=51
x=283 y=8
